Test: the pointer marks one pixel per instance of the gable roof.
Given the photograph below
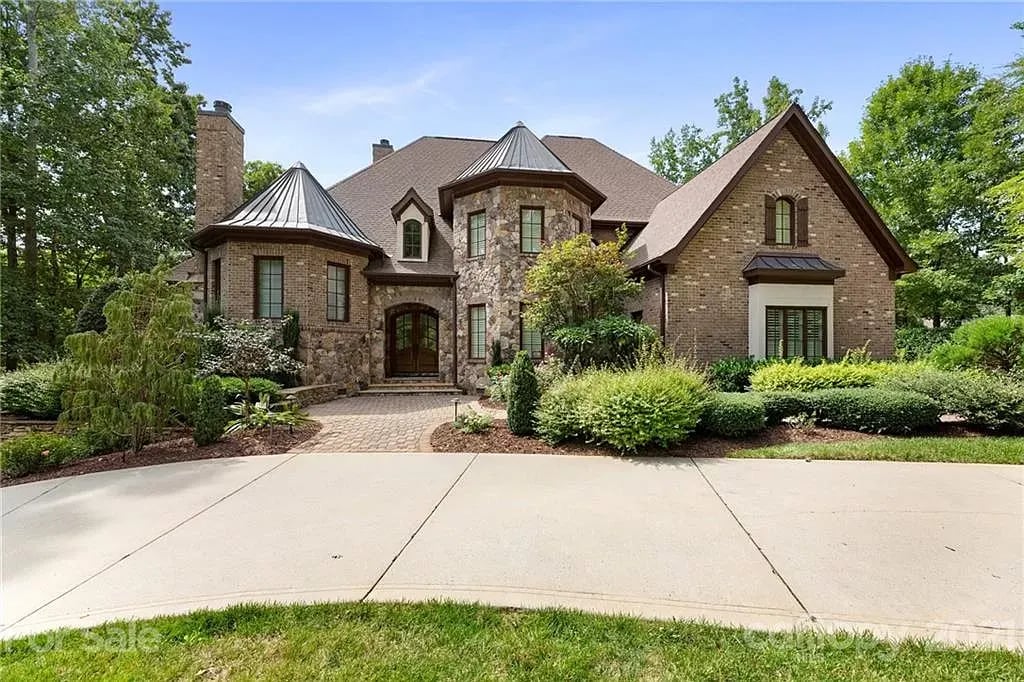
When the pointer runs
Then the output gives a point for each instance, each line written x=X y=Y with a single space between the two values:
x=518 y=149
x=632 y=190
x=678 y=217
x=294 y=201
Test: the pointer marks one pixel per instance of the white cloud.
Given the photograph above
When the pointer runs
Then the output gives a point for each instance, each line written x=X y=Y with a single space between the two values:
x=350 y=98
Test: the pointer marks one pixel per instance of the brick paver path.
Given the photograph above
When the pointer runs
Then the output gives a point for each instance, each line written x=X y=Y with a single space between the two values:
x=383 y=423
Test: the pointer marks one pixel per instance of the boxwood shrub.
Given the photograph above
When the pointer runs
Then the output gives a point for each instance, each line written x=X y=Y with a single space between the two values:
x=33 y=392
x=656 y=405
x=209 y=416
x=875 y=410
x=795 y=375
x=779 y=405
x=34 y=452
x=734 y=415
x=234 y=389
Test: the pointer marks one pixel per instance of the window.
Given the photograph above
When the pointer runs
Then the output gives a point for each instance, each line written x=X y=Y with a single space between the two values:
x=783 y=221
x=269 y=287
x=530 y=339
x=215 y=293
x=577 y=224
x=477 y=241
x=337 y=292
x=795 y=332
x=531 y=228
x=477 y=331
x=412 y=239
x=637 y=315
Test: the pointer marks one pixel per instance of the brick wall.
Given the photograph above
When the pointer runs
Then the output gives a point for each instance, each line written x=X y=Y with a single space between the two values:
x=707 y=295
x=220 y=158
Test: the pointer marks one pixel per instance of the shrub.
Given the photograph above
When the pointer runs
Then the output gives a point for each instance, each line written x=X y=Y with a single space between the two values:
x=557 y=417
x=875 y=410
x=549 y=372
x=732 y=375
x=795 y=375
x=916 y=343
x=495 y=371
x=733 y=415
x=611 y=341
x=234 y=389
x=132 y=379
x=34 y=391
x=209 y=418
x=90 y=318
x=654 y=405
x=265 y=414
x=471 y=421
x=990 y=401
x=779 y=405
x=33 y=452
x=498 y=389
x=497 y=356
x=247 y=349
x=522 y=394
x=992 y=343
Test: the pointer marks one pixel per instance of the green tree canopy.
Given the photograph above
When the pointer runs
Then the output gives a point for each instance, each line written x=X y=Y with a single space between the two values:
x=258 y=175
x=96 y=156
x=935 y=138
x=678 y=156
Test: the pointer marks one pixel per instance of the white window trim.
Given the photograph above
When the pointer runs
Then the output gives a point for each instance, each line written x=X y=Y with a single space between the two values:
x=761 y=296
x=413 y=213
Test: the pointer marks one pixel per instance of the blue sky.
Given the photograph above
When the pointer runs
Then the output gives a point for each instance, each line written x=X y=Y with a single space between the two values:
x=319 y=82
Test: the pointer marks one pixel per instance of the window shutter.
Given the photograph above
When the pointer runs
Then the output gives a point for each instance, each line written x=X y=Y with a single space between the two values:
x=801 y=222
x=769 y=219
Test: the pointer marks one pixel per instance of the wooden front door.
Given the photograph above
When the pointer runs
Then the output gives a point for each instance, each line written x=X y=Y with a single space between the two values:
x=412 y=343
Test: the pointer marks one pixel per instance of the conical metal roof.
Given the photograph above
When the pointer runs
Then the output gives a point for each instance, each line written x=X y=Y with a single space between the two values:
x=518 y=149
x=295 y=200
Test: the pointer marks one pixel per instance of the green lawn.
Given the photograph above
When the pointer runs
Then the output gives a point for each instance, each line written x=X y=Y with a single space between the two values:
x=444 y=641
x=981 y=449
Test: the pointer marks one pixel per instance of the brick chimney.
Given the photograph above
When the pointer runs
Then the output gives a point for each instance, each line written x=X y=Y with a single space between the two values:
x=220 y=155
x=381 y=149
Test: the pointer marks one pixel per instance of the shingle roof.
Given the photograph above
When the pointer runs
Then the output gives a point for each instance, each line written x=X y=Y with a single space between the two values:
x=682 y=211
x=295 y=200
x=518 y=149
x=632 y=190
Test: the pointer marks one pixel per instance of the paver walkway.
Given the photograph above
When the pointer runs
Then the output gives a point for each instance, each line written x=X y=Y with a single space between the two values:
x=383 y=423
x=930 y=550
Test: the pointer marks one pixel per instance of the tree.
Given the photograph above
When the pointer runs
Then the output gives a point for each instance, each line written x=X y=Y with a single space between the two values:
x=678 y=156
x=130 y=381
x=933 y=141
x=523 y=394
x=574 y=281
x=257 y=176
x=96 y=156
x=246 y=349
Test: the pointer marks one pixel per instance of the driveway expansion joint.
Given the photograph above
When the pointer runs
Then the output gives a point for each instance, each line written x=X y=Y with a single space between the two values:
x=418 y=529
x=36 y=497
x=754 y=542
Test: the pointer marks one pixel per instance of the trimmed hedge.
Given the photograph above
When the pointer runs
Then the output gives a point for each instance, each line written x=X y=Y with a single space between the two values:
x=33 y=392
x=794 y=375
x=523 y=395
x=34 y=452
x=875 y=410
x=234 y=389
x=990 y=401
x=734 y=415
x=209 y=418
x=628 y=410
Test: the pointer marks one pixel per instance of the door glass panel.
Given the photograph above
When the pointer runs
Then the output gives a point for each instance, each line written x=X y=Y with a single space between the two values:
x=428 y=332
x=403 y=331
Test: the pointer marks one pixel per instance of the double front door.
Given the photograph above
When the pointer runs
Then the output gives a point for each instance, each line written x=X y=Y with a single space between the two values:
x=412 y=343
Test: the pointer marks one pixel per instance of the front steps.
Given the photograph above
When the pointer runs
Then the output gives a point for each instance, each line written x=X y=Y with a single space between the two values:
x=411 y=386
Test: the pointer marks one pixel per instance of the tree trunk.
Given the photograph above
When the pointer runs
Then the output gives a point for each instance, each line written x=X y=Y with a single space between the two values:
x=10 y=219
x=31 y=253
x=936 y=319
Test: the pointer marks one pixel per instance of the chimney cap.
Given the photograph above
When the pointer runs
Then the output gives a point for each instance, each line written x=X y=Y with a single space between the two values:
x=221 y=106
x=384 y=142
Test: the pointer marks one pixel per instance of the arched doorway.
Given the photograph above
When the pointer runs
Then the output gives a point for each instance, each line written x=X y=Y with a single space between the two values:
x=411 y=341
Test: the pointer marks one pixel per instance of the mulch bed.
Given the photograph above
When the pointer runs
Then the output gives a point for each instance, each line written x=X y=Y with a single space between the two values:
x=446 y=438
x=245 y=444
x=493 y=404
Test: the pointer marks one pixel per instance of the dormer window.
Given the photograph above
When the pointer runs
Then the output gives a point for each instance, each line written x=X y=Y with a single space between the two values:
x=412 y=240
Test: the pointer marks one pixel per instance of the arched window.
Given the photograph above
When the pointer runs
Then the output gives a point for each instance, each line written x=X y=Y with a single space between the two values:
x=412 y=239
x=784 y=212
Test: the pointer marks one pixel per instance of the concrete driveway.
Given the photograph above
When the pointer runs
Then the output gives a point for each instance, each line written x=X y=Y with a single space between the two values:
x=900 y=549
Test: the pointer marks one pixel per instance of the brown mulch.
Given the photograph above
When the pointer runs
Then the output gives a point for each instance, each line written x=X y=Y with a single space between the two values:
x=446 y=438
x=245 y=444
x=493 y=404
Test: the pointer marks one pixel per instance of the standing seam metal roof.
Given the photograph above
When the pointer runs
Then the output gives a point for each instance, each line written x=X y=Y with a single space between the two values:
x=518 y=149
x=295 y=200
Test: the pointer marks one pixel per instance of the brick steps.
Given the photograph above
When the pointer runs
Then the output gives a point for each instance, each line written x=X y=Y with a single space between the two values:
x=411 y=388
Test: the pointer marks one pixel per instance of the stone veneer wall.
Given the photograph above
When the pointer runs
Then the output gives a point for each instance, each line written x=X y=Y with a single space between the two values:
x=707 y=295
x=497 y=278
x=334 y=352
x=383 y=297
